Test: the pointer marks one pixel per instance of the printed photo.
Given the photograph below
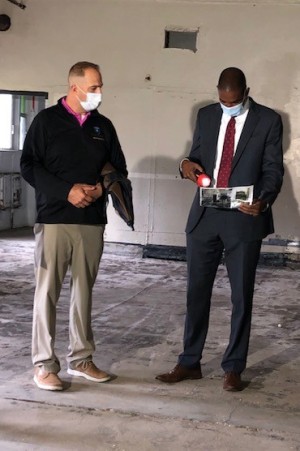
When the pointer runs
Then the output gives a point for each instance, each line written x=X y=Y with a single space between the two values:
x=226 y=197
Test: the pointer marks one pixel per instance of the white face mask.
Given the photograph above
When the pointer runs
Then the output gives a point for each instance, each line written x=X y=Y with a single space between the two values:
x=92 y=101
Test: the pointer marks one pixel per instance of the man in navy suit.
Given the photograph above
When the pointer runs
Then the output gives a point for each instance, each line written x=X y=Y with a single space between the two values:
x=257 y=160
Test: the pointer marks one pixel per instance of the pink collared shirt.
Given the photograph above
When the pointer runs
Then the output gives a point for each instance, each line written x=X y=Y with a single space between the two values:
x=80 y=117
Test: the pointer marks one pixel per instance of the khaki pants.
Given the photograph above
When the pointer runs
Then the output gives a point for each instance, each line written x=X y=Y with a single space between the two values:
x=59 y=247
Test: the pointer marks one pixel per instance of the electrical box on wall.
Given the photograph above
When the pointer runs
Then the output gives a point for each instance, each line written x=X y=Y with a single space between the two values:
x=10 y=191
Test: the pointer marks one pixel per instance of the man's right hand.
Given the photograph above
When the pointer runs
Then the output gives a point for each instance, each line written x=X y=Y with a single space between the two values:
x=189 y=169
x=78 y=197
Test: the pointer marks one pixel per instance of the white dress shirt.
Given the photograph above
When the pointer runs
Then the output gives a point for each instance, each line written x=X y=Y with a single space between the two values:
x=239 y=124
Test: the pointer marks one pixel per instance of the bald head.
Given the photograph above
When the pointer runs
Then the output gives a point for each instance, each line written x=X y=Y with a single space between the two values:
x=232 y=87
x=232 y=79
x=79 y=69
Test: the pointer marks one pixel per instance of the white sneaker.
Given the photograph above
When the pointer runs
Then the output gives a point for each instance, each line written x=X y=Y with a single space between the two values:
x=90 y=372
x=47 y=381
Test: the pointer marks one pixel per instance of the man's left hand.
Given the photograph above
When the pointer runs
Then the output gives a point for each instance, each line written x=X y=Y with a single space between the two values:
x=95 y=193
x=254 y=209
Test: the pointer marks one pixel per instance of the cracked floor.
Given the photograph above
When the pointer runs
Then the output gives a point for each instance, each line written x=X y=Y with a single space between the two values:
x=138 y=315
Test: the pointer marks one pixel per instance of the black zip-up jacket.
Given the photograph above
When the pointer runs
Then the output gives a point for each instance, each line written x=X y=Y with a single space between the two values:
x=58 y=152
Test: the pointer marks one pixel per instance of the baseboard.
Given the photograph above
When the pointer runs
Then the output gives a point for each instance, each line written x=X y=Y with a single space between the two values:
x=277 y=254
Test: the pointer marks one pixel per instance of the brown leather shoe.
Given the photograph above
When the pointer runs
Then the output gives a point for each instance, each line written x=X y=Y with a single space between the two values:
x=180 y=373
x=232 y=381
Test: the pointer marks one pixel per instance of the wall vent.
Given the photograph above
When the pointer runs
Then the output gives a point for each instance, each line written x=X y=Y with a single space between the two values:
x=181 y=38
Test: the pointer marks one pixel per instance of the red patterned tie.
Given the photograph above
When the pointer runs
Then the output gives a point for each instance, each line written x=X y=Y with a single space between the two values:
x=227 y=155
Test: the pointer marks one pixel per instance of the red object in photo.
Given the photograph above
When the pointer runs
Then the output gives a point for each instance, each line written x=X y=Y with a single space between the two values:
x=203 y=180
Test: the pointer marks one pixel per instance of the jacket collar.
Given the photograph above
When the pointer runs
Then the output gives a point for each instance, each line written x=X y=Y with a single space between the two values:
x=249 y=126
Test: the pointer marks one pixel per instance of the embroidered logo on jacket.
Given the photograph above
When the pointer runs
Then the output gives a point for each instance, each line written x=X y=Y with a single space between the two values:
x=97 y=133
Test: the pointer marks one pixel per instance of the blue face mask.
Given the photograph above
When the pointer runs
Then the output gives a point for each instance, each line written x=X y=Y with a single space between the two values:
x=232 y=110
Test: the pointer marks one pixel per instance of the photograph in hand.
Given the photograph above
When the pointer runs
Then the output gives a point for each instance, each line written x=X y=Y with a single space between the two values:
x=226 y=197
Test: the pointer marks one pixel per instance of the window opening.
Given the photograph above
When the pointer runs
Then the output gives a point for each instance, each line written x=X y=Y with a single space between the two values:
x=17 y=111
x=6 y=102
x=181 y=39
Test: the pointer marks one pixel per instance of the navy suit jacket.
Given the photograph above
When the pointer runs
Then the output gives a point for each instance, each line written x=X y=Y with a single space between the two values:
x=258 y=161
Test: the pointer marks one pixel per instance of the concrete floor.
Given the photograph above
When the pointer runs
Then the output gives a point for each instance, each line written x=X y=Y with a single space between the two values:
x=138 y=315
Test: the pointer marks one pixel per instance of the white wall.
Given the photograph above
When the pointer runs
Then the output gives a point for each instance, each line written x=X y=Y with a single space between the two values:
x=155 y=119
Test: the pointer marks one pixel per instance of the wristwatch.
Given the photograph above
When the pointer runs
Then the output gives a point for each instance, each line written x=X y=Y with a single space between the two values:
x=265 y=208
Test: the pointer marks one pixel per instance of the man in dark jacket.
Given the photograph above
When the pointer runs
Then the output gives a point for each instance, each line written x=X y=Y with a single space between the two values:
x=64 y=153
x=237 y=142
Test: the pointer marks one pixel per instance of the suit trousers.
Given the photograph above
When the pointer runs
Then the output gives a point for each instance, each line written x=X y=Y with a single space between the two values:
x=59 y=247
x=215 y=233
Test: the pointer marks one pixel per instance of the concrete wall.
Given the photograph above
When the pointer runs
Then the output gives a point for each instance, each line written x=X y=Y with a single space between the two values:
x=152 y=94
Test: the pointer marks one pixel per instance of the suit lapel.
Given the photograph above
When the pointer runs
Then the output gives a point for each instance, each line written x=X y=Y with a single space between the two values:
x=214 y=128
x=249 y=126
